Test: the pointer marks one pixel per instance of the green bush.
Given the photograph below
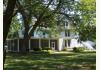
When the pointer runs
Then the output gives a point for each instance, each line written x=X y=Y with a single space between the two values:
x=78 y=49
x=46 y=48
x=37 y=49
x=64 y=49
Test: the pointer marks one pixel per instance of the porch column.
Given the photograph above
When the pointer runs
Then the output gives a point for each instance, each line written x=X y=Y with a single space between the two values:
x=49 y=42
x=18 y=45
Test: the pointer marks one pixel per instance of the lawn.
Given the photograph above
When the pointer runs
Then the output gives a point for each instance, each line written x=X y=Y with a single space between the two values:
x=54 y=61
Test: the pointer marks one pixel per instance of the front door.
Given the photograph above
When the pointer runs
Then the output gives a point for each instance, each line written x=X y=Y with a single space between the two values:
x=53 y=45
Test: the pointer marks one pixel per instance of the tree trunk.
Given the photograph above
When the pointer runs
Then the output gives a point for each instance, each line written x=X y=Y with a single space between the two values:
x=26 y=39
x=26 y=18
x=4 y=55
x=7 y=18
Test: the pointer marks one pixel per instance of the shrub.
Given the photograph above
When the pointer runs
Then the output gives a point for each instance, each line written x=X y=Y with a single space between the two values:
x=65 y=49
x=46 y=48
x=37 y=49
x=41 y=52
x=78 y=49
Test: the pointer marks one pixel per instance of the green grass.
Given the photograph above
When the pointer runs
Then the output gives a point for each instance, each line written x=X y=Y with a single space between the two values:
x=54 y=61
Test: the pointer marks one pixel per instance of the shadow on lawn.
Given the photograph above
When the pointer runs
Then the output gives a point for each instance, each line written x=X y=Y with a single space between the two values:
x=68 y=61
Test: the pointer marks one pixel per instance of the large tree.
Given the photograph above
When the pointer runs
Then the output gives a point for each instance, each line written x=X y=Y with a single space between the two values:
x=55 y=12
x=7 y=18
x=40 y=11
x=86 y=19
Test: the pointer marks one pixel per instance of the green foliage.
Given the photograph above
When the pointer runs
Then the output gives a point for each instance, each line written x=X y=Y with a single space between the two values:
x=37 y=49
x=65 y=49
x=78 y=49
x=53 y=32
x=46 y=48
x=41 y=52
x=87 y=33
x=86 y=22
x=79 y=13
x=14 y=28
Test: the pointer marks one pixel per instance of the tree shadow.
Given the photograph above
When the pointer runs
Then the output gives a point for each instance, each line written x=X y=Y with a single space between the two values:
x=68 y=61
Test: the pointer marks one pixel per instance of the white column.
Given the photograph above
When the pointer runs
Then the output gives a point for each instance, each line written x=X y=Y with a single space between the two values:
x=58 y=47
x=49 y=42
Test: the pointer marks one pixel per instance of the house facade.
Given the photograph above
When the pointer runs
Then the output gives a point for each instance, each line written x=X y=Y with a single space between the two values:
x=56 y=43
x=15 y=45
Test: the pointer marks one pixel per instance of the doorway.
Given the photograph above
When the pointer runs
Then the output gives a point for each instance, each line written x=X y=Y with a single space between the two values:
x=53 y=45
